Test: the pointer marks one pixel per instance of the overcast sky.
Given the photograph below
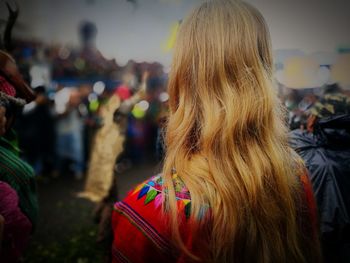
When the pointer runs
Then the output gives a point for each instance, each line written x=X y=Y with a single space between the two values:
x=129 y=32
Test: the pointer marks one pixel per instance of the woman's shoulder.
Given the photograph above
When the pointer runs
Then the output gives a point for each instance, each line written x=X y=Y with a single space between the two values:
x=140 y=226
x=150 y=195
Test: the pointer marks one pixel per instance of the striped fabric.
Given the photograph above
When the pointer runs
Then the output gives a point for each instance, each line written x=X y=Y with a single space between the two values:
x=141 y=228
x=20 y=176
x=119 y=256
x=146 y=228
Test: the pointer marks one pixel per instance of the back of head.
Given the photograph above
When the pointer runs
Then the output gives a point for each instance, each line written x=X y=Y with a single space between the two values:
x=227 y=140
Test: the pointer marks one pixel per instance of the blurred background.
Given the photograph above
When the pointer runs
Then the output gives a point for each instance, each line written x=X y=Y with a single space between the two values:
x=77 y=54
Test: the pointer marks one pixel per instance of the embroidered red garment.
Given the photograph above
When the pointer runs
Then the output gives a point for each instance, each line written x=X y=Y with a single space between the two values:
x=141 y=232
x=140 y=227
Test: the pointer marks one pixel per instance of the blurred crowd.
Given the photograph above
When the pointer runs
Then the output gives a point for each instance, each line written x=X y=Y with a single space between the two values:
x=299 y=103
x=72 y=85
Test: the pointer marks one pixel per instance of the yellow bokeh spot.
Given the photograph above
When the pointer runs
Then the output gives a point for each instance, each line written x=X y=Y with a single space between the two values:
x=93 y=106
x=138 y=112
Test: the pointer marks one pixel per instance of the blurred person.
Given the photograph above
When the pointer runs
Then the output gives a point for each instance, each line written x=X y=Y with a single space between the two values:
x=89 y=120
x=291 y=102
x=325 y=147
x=15 y=227
x=36 y=133
x=298 y=116
x=69 y=130
x=124 y=90
x=122 y=113
x=292 y=99
x=304 y=106
x=231 y=189
x=109 y=141
x=136 y=139
x=18 y=200
x=107 y=147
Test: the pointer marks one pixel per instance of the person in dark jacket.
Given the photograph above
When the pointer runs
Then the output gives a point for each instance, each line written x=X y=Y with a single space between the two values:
x=325 y=148
x=35 y=128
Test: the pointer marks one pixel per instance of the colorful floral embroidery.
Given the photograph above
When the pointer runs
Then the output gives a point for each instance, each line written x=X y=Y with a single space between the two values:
x=153 y=190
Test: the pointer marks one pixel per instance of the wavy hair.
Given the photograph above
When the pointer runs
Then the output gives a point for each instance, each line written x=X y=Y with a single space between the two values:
x=227 y=139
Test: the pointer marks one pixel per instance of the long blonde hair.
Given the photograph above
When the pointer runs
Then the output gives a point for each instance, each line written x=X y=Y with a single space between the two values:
x=227 y=140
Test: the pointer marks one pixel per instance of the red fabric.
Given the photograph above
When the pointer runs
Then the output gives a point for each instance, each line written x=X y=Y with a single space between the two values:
x=311 y=204
x=141 y=240
x=6 y=87
x=141 y=231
